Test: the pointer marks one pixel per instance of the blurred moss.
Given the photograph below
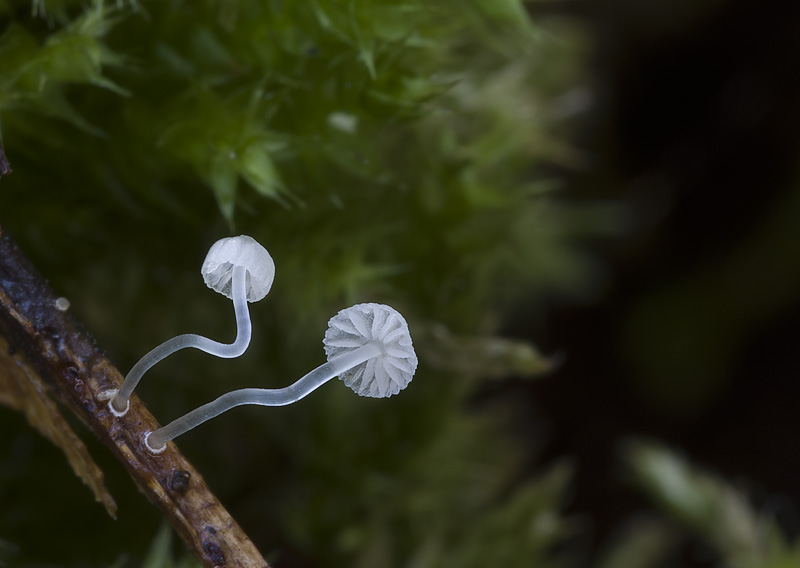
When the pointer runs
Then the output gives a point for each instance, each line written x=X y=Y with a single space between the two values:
x=642 y=542
x=482 y=358
x=709 y=507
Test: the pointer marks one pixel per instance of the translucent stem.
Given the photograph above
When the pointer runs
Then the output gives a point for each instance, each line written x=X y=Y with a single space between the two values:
x=227 y=351
x=264 y=397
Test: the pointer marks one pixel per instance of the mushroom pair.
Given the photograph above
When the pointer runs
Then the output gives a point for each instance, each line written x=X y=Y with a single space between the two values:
x=368 y=346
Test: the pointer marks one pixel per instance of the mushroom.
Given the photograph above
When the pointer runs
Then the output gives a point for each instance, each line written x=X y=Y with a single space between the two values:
x=368 y=346
x=237 y=267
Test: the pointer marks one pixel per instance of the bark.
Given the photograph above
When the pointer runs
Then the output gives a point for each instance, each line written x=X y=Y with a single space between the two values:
x=75 y=370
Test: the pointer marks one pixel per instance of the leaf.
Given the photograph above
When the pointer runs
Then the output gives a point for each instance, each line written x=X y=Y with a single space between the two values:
x=22 y=389
x=259 y=170
x=223 y=180
x=76 y=54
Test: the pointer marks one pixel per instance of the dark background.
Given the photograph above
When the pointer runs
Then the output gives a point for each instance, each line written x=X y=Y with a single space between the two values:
x=695 y=127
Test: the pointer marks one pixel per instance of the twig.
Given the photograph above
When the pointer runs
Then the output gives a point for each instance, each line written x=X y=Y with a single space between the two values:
x=76 y=371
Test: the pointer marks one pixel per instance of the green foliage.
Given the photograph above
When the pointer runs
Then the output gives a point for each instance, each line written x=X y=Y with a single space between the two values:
x=34 y=73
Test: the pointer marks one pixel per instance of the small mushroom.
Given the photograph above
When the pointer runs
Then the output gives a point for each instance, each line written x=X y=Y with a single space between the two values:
x=237 y=267
x=368 y=346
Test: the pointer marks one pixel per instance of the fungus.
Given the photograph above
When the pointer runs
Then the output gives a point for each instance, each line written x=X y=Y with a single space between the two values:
x=368 y=346
x=237 y=267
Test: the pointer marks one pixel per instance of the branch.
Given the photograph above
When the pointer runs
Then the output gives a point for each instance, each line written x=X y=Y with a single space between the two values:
x=76 y=371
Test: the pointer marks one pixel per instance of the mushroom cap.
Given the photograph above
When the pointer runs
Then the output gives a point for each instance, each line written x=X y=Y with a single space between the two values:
x=245 y=251
x=386 y=374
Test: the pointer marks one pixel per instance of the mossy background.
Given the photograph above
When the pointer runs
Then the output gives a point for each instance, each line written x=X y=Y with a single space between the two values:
x=578 y=177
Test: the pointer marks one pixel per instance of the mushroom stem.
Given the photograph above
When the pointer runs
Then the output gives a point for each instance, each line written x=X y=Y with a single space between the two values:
x=156 y=441
x=119 y=404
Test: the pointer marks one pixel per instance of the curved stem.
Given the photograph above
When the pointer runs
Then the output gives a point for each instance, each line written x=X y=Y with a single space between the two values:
x=227 y=351
x=263 y=397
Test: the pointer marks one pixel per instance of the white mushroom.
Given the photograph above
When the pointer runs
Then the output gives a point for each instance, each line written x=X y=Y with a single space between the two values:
x=226 y=254
x=368 y=347
x=356 y=326
x=237 y=267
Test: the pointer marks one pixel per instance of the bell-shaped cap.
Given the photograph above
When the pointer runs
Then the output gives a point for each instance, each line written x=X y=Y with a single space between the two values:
x=244 y=251
x=385 y=374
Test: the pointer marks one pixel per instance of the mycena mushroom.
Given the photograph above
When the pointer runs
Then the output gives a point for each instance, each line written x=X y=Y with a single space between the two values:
x=368 y=346
x=237 y=267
